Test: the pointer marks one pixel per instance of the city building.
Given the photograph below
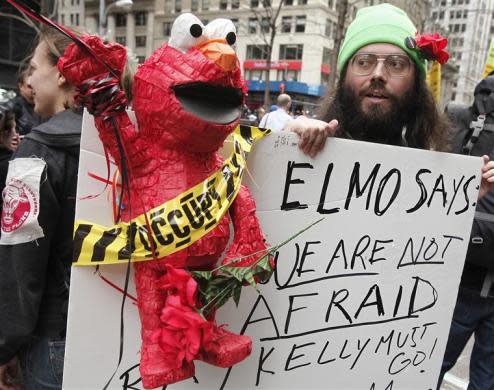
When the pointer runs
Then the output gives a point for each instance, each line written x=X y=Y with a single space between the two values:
x=468 y=24
x=71 y=12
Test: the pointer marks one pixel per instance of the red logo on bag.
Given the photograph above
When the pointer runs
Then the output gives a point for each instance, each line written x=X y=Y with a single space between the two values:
x=18 y=202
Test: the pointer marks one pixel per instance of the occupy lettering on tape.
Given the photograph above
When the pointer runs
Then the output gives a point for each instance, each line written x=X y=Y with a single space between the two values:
x=175 y=224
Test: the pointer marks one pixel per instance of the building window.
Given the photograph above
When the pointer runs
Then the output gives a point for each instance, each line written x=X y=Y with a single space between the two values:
x=330 y=4
x=326 y=55
x=441 y=14
x=451 y=14
x=235 y=4
x=235 y=23
x=141 y=59
x=291 y=75
x=168 y=6
x=167 y=28
x=302 y=2
x=300 y=23
x=252 y=27
x=456 y=28
x=328 y=28
x=291 y=52
x=71 y=19
x=121 y=40
x=257 y=52
x=63 y=19
x=463 y=27
x=140 y=41
x=178 y=6
x=288 y=2
x=76 y=19
x=194 y=5
x=265 y=25
x=205 y=5
x=141 y=18
x=254 y=3
x=120 y=20
x=254 y=74
x=286 y=24
x=287 y=75
x=324 y=79
x=223 y=4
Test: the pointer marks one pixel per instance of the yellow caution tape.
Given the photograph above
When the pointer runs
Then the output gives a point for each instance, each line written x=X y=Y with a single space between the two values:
x=175 y=224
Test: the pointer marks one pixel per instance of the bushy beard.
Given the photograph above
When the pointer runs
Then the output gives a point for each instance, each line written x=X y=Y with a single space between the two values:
x=379 y=124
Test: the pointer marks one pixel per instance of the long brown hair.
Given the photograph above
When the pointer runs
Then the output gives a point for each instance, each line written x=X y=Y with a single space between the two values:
x=426 y=127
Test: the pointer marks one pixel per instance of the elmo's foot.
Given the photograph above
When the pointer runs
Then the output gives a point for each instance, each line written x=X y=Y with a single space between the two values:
x=226 y=349
x=156 y=372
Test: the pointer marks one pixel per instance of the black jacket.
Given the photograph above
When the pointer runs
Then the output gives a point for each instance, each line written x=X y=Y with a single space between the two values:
x=5 y=155
x=479 y=260
x=34 y=275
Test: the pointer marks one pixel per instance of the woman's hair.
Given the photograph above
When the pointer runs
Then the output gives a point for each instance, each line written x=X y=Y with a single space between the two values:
x=55 y=41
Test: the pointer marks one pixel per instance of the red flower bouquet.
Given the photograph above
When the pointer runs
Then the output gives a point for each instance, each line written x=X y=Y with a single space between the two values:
x=184 y=331
x=179 y=282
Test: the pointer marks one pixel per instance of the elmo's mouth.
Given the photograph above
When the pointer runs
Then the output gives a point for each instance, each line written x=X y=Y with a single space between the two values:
x=211 y=103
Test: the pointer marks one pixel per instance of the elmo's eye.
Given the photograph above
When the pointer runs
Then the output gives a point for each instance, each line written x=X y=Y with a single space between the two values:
x=221 y=29
x=187 y=32
x=231 y=38
x=196 y=30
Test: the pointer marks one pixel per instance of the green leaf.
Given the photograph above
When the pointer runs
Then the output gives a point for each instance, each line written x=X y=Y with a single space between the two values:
x=206 y=275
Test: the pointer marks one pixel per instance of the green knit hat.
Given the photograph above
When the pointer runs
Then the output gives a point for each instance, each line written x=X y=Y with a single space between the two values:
x=383 y=23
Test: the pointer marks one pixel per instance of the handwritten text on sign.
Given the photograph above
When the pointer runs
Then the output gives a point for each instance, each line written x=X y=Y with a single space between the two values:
x=363 y=300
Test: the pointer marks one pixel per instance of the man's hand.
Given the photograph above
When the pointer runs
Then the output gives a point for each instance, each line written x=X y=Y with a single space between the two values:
x=312 y=133
x=7 y=374
x=487 y=182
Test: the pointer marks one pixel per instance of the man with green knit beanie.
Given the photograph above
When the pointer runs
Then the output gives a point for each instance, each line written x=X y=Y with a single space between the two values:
x=381 y=94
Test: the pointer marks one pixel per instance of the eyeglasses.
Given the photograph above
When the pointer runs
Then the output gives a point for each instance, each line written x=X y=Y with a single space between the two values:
x=397 y=65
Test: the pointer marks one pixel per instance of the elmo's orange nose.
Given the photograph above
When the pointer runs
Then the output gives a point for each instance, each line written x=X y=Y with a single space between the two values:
x=221 y=53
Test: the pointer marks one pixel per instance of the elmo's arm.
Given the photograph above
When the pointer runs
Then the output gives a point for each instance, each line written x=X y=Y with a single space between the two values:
x=248 y=238
x=100 y=92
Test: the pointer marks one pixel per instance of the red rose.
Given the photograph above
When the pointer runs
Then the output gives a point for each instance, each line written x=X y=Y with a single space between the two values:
x=432 y=47
x=179 y=282
x=183 y=333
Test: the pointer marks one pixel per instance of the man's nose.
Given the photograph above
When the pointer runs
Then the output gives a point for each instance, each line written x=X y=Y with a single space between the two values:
x=379 y=71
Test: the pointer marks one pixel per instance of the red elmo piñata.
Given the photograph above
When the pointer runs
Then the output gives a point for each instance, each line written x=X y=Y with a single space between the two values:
x=187 y=98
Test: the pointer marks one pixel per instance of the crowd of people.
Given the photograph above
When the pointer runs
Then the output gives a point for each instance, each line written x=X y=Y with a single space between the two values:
x=381 y=97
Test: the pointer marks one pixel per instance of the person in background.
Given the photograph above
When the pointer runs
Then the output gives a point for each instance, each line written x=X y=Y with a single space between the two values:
x=474 y=311
x=23 y=104
x=277 y=120
x=260 y=113
x=36 y=251
x=9 y=141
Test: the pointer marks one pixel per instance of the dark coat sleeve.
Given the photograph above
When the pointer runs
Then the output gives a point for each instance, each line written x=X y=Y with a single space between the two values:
x=24 y=267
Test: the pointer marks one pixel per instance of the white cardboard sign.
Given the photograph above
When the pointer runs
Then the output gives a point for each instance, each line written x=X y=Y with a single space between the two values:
x=361 y=301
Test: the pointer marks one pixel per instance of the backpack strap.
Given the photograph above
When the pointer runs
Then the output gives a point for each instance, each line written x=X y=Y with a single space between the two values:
x=476 y=126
